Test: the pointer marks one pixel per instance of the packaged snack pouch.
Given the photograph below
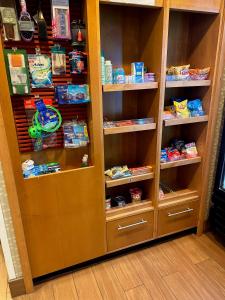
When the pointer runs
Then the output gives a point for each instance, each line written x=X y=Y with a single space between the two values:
x=199 y=74
x=178 y=70
x=181 y=109
x=195 y=108
x=173 y=154
x=191 y=150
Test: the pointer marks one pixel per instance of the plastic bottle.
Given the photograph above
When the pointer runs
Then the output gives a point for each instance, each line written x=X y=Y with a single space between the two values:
x=108 y=72
x=103 y=68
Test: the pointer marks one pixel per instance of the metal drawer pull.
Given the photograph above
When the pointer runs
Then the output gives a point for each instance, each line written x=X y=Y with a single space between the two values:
x=132 y=225
x=180 y=212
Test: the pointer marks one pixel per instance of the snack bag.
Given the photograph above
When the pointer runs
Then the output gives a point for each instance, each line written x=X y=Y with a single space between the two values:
x=191 y=150
x=181 y=109
x=173 y=154
x=199 y=74
x=195 y=108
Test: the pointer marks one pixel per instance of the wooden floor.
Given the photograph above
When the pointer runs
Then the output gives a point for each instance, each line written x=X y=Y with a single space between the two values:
x=186 y=268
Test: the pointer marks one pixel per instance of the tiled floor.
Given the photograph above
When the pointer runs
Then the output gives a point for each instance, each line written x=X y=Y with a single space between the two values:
x=186 y=268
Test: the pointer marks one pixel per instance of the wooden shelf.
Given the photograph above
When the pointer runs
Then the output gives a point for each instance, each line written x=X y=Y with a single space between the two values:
x=116 y=182
x=178 y=163
x=75 y=170
x=180 y=121
x=150 y=3
x=176 y=198
x=130 y=128
x=130 y=87
x=128 y=210
x=187 y=83
x=207 y=6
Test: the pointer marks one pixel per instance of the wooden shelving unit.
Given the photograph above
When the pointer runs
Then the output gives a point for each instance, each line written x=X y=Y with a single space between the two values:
x=187 y=83
x=180 y=121
x=69 y=206
x=131 y=128
x=129 y=87
x=116 y=182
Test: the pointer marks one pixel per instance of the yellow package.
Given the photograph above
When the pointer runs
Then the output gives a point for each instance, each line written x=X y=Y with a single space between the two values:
x=181 y=109
x=178 y=70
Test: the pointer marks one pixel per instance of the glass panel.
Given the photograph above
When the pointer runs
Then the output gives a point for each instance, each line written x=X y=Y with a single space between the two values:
x=222 y=180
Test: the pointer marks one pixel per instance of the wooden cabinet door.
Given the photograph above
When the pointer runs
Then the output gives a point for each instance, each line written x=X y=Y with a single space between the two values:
x=64 y=220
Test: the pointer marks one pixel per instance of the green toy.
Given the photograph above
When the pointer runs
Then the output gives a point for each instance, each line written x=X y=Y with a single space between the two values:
x=46 y=120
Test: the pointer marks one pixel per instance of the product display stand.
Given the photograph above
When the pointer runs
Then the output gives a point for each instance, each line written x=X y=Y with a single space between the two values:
x=60 y=218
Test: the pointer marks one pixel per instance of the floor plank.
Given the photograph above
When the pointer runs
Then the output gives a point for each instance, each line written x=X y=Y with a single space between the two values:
x=86 y=285
x=180 y=287
x=197 y=280
x=214 y=250
x=108 y=283
x=42 y=292
x=159 y=261
x=64 y=288
x=195 y=253
x=150 y=277
x=126 y=274
x=3 y=278
x=215 y=272
x=190 y=267
x=138 y=293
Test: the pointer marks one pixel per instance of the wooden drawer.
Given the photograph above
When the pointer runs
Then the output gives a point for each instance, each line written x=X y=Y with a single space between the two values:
x=130 y=230
x=178 y=218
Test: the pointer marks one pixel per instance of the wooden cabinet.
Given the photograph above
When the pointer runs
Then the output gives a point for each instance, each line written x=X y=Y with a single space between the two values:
x=129 y=231
x=63 y=215
x=177 y=218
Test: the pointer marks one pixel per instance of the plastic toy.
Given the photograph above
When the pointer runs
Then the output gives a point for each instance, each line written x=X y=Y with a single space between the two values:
x=46 y=120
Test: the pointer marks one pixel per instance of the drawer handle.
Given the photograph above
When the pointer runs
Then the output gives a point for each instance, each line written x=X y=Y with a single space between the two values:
x=180 y=212
x=132 y=225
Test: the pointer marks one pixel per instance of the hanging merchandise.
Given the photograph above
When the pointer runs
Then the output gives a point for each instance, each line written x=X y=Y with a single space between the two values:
x=17 y=71
x=41 y=23
x=45 y=122
x=78 y=62
x=72 y=94
x=61 y=19
x=9 y=21
x=58 y=60
x=40 y=70
x=25 y=24
x=78 y=32
x=75 y=134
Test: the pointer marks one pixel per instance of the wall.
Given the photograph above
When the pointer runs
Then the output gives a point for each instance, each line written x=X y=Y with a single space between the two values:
x=7 y=235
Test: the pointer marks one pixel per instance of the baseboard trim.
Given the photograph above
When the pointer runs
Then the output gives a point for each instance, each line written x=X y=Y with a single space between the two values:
x=17 y=287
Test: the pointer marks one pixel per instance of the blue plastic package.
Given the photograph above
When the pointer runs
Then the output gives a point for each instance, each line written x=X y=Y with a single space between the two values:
x=75 y=134
x=164 y=157
x=72 y=94
x=195 y=108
